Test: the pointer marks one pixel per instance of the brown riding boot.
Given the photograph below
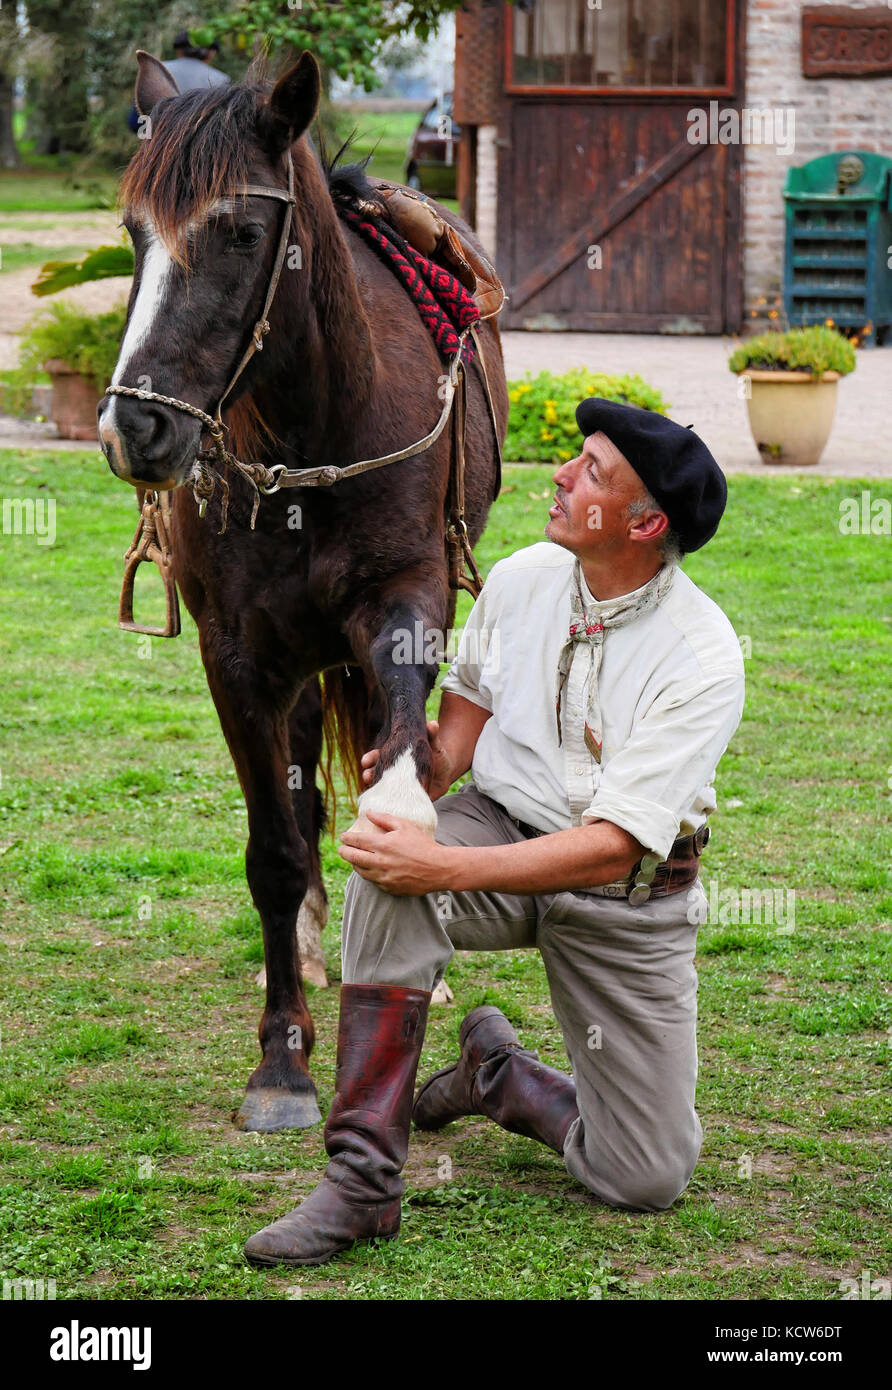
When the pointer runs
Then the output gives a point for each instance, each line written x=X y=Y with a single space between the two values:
x=380 y=1033
x=498 y=1078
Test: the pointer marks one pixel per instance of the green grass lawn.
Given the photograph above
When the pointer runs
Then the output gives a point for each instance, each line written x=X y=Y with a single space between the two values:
x=384 y=136
x=50 y=185
x=22 y=253
x=129 y=944
x=53 y=188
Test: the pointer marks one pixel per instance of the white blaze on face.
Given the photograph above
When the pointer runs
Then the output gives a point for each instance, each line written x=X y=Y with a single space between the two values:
x=156 y=269
x=400 y=793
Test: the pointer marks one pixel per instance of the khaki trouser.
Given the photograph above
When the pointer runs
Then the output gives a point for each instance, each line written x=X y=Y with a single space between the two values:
x=623 y=988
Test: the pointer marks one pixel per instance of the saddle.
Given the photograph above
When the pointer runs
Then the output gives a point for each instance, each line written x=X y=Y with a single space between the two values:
x=414 y=217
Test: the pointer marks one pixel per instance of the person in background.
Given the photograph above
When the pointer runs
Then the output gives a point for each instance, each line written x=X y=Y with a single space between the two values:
x=191 y=68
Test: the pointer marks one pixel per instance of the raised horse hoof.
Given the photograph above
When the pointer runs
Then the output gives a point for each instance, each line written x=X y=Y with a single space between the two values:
x=266 y=1109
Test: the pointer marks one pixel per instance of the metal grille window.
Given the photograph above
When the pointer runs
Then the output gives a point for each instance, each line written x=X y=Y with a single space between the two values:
x=622 y=45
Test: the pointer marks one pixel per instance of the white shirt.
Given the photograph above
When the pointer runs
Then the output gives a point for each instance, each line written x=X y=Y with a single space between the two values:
x=671 y=689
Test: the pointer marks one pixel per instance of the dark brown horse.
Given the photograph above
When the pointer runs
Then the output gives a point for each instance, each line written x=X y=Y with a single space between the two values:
x=330 y=575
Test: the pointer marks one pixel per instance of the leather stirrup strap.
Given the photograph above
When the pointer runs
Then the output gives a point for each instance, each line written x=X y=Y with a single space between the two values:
x=492 y=412
x=457 y=540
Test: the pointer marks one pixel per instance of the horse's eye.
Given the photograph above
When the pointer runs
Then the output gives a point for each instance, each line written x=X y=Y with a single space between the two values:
x=247 y=236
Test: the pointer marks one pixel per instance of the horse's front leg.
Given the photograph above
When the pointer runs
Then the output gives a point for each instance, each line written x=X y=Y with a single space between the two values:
x=400 y=636
x=305 y=732
x=280 y=1093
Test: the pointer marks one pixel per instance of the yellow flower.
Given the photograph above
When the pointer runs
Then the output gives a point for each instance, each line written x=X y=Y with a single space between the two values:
x=514 y=397
x=551 y=416
x=546 y=434
x=564 y=455
x=828 y=323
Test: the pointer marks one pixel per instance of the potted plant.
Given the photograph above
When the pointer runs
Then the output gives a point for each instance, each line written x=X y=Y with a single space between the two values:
x=790 y=382
x=79 y=352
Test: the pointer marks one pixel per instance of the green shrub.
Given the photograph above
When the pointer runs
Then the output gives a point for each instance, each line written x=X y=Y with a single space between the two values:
x=542 y=424
x=89 y=343
x=817 y=350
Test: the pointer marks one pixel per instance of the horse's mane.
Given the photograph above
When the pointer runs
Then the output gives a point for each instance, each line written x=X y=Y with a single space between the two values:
x=348 y=183
x=199 y=152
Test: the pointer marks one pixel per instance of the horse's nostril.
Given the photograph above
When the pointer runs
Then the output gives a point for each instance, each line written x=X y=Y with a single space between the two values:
x=152 y=433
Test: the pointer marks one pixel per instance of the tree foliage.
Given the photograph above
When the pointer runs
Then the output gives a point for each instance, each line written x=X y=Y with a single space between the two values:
x=78 y=56
x=345 y=35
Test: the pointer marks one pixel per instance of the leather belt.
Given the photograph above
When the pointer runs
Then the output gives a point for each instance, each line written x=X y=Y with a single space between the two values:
x=651 y=877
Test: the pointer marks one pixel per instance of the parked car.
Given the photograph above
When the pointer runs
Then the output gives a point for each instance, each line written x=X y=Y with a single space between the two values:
x=432 y=154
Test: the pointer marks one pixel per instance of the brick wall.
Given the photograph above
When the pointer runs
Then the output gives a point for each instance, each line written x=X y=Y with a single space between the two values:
x=478 y=63
x=832 y=113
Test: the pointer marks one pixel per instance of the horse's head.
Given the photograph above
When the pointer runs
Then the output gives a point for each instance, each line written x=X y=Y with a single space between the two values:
x=205 y=255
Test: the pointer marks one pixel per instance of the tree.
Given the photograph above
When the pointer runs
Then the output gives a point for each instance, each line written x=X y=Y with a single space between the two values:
x=118 y=29
x=9 y=53
x=59 y=67
x=344 y=35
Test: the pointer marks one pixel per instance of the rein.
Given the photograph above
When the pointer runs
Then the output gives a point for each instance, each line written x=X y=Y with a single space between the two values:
x=152 y=527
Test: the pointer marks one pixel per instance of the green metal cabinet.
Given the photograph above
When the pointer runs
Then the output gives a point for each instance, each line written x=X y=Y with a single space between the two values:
x=839 y=242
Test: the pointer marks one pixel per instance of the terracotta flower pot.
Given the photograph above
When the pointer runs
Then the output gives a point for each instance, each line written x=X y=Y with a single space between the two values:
x=791 y=414
x=74 y=401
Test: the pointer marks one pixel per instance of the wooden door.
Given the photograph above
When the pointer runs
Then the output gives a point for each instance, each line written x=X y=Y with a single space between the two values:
x=611 y=218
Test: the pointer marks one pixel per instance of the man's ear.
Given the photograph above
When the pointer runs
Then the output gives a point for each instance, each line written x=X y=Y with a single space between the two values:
x=153 y=83
x=294 y=101
x=649 y=526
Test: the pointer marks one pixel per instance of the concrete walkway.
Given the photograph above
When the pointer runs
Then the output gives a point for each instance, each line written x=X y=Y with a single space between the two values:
x=692 y=374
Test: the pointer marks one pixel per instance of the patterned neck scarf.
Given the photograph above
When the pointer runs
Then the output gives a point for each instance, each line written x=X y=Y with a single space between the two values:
x=590 y=624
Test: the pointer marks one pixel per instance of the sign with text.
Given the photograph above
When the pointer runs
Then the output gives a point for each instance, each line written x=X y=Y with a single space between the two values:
x=838 y=41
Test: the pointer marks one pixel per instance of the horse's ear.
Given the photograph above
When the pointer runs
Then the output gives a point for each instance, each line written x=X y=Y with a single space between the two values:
x=294 y=100
x=153 y=82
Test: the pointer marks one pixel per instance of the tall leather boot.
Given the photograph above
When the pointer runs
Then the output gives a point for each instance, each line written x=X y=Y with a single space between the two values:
x=380 y=1034
x=498 y=1078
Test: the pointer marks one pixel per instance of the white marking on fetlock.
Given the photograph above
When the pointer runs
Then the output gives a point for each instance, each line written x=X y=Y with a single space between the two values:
x=311 y=918
x=400 y=793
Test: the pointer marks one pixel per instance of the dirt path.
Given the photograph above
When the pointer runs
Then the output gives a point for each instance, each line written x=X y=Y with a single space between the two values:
x=52 y=230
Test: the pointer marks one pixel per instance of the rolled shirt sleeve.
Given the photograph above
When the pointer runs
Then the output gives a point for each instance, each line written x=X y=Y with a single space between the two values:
x=467 y=671
x=649 y=785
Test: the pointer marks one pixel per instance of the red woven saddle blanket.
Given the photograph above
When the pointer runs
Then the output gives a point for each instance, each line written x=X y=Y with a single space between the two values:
x=446 y=307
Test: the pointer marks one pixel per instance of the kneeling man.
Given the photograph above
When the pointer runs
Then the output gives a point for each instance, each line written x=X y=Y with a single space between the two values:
x=593 y=693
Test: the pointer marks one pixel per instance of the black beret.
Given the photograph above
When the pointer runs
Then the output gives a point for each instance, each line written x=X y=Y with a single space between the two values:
x=673 y=463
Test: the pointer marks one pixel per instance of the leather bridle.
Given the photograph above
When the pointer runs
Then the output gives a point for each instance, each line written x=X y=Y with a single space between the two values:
x=201 y=478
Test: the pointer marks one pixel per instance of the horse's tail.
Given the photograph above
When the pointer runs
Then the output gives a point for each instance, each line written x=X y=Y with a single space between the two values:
x=346 y=731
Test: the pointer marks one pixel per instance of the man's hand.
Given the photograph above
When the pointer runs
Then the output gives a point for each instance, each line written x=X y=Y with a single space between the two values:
x=442 y=775
x=396 y=855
